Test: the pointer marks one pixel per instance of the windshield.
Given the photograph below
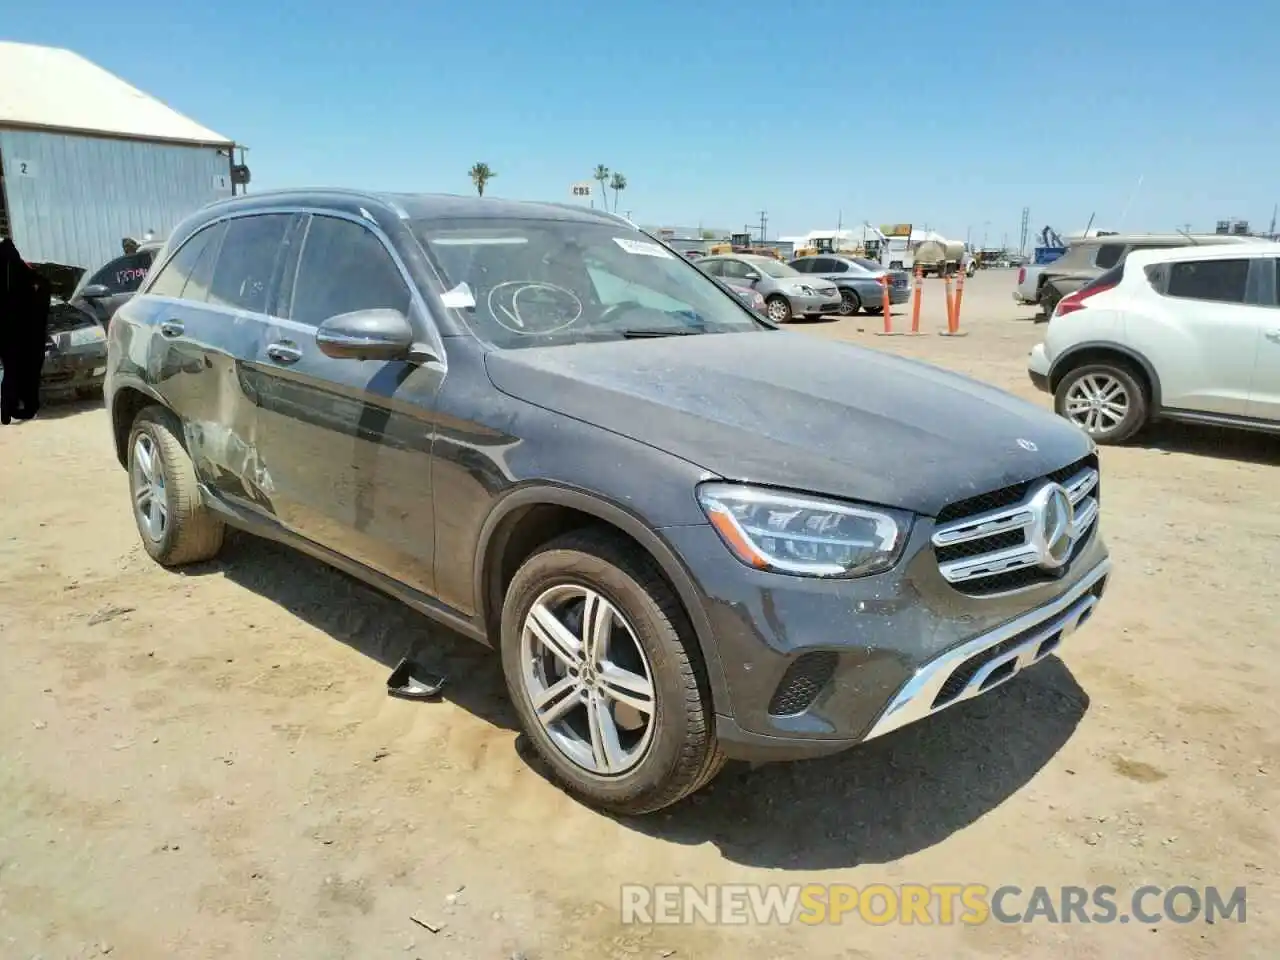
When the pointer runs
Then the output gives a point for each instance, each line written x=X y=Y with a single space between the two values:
x=773 y=268
x=527 y=283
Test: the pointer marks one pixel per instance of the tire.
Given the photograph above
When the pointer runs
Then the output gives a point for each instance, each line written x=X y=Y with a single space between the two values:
x=778 y=308
x=676 y=753
x=189 y=531
x=1114 y=381
x=850 y=303
x=1049 y=297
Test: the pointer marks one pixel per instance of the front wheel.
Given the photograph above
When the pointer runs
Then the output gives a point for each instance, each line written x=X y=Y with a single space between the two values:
x=850 y=303
x=778 y=308
x=606 y=675
x=1104 y=400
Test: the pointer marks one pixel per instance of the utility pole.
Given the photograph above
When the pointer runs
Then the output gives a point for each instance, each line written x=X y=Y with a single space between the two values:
x=1026 y=220
x=764 y=222
x=1272 y=231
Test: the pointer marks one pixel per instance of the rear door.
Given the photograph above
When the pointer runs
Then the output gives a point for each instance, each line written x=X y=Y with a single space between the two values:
x=347 y=443
x=205 y=309
x=1264 y=392
x=1206 y=356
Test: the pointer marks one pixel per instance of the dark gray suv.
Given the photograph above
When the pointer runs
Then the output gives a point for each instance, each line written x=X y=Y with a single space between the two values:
x=692 y=535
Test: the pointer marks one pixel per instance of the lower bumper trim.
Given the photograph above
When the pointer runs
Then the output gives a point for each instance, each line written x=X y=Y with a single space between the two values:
x=989 y=660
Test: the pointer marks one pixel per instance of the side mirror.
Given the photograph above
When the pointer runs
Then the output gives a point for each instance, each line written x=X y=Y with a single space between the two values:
x=751 y=277
x=95 y=291
x=380 y=334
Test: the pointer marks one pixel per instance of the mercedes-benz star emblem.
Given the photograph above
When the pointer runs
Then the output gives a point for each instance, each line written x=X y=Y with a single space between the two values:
x=1027 y=445
x=1052 y=530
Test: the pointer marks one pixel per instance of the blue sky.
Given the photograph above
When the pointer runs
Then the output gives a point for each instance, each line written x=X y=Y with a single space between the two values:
x=956 y=116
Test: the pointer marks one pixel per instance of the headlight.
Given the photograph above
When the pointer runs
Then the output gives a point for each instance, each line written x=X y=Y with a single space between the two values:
x=805 y=536
x=806 y=290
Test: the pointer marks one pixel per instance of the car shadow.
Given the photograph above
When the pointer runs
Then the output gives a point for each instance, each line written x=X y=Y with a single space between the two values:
x=1245 y=446
x=888 y=798
x=368 y=621
x=58 y=407
x=874 y=804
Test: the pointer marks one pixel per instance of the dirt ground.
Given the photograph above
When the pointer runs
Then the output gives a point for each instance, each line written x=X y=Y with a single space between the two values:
x=206 y=764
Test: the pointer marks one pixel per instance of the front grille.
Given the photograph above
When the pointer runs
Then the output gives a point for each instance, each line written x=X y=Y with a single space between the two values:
x=996 y=541
x=802 y=683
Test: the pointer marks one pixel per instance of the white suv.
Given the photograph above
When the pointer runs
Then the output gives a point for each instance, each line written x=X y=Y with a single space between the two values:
x=1187 y=333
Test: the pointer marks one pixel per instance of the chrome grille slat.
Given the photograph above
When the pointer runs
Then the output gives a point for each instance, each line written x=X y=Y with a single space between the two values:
x=959 y=542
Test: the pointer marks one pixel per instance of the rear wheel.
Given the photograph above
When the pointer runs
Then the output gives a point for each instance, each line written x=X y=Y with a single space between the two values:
x=850 y=303
x=175 y=525
x=778 y=308
x=1104 y=400
x=606 y=675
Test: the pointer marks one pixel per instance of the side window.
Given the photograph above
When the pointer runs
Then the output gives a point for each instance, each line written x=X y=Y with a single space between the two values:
x=1222 y=281
x=194 y=258
x=1108 y=255
x=735 y=269
x=804 y=265
x=124 y=274
x=713 y=267
x=344 y=267
x=836 y=266
x=242 y=276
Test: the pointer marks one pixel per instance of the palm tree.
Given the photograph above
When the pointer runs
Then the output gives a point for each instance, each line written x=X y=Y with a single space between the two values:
x=602 y=175
x=618 y=183
x=481 y=174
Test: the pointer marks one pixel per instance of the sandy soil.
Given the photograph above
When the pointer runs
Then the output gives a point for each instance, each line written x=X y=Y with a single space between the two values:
x=205 y=764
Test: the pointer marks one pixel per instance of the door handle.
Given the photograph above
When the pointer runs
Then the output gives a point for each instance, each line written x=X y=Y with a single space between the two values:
x=284 y=351
x=1273 y=335
x=172 y=328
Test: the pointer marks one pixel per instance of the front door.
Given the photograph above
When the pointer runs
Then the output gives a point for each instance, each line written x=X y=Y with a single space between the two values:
x=346 y=444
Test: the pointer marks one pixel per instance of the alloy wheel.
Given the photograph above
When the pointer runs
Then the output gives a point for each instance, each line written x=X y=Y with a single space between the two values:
x=588 y=679
x=1097 y=403
x=150 y=496
x=777 y=311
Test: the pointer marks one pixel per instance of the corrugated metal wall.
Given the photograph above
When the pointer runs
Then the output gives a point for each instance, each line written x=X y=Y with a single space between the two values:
x=80 y=195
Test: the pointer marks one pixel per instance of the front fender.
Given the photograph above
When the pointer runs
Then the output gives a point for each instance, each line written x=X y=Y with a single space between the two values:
x=493 y=535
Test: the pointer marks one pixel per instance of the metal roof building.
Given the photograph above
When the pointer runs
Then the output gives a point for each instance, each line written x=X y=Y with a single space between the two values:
x=87 y=159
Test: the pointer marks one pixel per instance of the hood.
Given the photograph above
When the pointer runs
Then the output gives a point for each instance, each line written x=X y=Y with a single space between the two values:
x=792 y=410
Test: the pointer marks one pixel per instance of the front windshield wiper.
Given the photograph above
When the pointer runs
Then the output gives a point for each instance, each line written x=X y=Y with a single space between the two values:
x=636 y=333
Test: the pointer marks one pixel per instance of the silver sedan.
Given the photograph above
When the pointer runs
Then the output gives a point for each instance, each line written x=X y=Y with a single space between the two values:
x=860 y=281
x=787 y=293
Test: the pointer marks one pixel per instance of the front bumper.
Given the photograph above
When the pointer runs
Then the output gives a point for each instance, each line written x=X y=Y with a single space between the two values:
x=1038 y=367
x=871 y=655
x=74 y=367
x=816 y=305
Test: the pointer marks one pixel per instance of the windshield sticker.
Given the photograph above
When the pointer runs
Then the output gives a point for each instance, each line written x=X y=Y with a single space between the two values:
x=642 y=248
x=532 y=308
x=459 y=298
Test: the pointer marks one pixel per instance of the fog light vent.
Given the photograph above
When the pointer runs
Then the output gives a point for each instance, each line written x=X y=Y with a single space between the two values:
x=802 y=683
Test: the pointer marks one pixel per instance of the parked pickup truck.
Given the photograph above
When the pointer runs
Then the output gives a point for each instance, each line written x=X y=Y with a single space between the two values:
x=1028 y=289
